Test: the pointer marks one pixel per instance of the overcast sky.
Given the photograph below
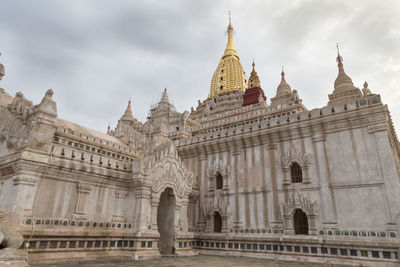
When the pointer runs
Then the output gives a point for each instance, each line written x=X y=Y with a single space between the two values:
x=96 y=55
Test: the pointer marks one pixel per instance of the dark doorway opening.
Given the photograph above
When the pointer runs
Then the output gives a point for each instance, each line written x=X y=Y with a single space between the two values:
x=300 y=222
x=166 y=222
x=217 y=222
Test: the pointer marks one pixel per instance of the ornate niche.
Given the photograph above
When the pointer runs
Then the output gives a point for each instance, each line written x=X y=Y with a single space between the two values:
x=218 y=176
x=213 y=207
x=300 y=160
x=298 y=201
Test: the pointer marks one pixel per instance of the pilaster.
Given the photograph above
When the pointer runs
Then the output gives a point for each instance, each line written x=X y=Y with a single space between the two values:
x=81 y=203
x=118 y=215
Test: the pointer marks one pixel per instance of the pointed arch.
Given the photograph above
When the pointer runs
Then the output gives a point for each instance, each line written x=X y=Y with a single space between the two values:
x=300 y=222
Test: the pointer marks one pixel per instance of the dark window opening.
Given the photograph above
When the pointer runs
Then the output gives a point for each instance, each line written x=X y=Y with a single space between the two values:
x=219 y=181
x=296 y=173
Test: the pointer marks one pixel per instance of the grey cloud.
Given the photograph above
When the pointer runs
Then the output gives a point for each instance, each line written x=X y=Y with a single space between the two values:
x=98 y=54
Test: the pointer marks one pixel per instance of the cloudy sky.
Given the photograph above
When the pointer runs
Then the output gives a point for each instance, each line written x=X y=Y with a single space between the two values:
x=98 y=54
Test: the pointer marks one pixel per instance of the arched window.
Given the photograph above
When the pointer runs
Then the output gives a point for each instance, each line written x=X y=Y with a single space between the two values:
x=296 y=173
x=300 y=222
x=217 y=222
x=218 y=181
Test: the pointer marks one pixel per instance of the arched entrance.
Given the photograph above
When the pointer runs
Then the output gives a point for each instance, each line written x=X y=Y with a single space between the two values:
x=217 y=222
x=165 y=222
x=300 y=222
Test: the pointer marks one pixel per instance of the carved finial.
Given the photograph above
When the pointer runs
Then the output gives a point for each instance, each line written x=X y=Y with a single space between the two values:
x=164 y=97
x=366 y=91
x=108 y=128
x=49 y=93
x=2 y=70
x=339 y=58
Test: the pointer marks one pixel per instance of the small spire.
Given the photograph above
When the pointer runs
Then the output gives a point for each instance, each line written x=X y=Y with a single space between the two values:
x=254 y=81
x=339 y=58
x=253 y=72
x=164 y=98
x=283 y=88
x=230 y=21
x=128 y=112
x=343 y=81
x=230 y=49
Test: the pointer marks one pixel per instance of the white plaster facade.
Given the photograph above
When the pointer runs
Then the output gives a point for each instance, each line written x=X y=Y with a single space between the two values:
x=70 y=189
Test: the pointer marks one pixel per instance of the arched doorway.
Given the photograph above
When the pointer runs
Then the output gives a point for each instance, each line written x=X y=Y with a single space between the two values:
x=300 y=222
x=217 y=222
x=165 y=222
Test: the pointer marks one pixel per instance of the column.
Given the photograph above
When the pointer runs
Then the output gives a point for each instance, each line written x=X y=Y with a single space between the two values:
x=142 y=195
x=25 y=195
x=183 y=222
x=155 y=200
x=275 y=221
x=203 y=184
x=237 y=221
x=328 y=207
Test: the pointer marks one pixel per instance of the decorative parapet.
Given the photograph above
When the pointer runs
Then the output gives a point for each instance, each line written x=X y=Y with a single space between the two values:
x=248 y=119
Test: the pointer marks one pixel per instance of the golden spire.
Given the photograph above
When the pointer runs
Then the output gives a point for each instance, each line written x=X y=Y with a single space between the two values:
x=230 y=49
x=254 y=81
x=229 y=75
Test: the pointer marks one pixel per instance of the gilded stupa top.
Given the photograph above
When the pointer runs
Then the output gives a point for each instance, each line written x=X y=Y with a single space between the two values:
x=229 y=75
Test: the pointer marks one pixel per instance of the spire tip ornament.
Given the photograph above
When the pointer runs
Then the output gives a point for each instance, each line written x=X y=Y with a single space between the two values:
x=2 y=70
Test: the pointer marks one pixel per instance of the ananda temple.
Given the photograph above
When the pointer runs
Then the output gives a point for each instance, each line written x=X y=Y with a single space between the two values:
x=240 y=175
